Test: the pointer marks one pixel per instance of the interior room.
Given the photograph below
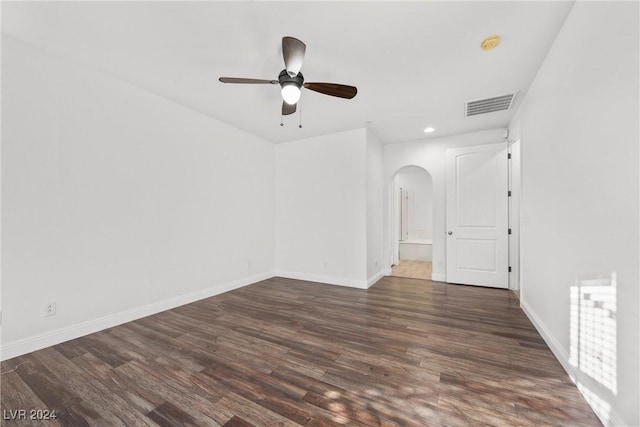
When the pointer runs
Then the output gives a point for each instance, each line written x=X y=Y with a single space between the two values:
x=203 y=214
x=413 y=192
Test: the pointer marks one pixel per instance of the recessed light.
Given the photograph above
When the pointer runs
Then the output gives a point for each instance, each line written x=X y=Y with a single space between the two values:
x=429 y=130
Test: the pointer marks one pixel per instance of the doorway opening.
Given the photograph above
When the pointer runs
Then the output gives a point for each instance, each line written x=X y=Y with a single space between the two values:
x=413 y=235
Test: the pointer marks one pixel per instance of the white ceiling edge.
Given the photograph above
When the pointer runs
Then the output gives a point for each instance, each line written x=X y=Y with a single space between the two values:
x=430 y=90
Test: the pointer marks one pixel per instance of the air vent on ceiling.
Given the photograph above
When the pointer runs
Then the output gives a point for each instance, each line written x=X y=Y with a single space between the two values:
x=489 y=105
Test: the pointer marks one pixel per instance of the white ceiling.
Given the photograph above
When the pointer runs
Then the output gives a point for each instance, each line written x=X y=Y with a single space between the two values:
x=414 y=63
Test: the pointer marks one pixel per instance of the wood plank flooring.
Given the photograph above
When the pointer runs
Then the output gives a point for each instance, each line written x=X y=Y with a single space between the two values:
x=283 y=352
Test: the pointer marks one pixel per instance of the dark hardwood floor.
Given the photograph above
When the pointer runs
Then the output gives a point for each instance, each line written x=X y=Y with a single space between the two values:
x=284 y=352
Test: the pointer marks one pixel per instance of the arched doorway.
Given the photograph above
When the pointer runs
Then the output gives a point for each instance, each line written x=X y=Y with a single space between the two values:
x=413 y=223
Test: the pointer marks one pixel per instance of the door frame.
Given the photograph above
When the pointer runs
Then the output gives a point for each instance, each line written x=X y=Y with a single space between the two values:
x=515 y=187
x=394 y=214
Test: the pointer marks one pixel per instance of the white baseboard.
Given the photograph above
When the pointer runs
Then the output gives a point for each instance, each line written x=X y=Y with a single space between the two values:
x=47 y=339
x=379 y=275
x=438 y=277
x=553 y=343
x=609 y=419
x=330 y=280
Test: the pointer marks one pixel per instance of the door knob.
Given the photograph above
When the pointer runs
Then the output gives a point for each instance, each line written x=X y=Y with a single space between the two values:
x=449 y=233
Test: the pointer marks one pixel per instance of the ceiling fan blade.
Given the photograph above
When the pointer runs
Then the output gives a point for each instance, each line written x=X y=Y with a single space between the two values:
x=333 y=89
x=247 y=81
x=293 y=52
x=288 y=108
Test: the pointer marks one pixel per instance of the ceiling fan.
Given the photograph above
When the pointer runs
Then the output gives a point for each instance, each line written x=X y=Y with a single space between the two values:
x=291 y=79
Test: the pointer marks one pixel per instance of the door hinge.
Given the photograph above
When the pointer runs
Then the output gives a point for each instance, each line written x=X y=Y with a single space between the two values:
x=509 y=193
x=509 y=269
x=509 y=231
x=508 y=155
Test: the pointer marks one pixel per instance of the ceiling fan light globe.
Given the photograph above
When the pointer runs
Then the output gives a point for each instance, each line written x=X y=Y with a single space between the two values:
x=290 y=94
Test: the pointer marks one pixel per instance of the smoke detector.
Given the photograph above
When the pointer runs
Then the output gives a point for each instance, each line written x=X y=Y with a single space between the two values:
x=490 y=42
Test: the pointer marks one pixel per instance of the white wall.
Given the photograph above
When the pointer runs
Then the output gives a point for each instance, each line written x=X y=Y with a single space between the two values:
x=419 y=185
x=375 y=266
x=578 y=126
x=118 y=203
x=329 y=209
x=429 y=154
x=321 y=203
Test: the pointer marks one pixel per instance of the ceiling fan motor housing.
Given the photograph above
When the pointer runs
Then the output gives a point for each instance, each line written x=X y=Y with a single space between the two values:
x=284 y=79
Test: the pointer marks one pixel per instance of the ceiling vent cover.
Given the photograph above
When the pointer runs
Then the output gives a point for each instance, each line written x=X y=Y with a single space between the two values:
x=489 y=105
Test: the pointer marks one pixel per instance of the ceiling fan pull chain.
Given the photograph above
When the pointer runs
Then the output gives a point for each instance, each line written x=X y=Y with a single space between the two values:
x=300 y=123
x=281 y=123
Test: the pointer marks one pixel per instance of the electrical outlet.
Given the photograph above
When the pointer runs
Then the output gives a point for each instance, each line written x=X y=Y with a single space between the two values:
x=326 y=264
x=50 y=309
x=248 y=265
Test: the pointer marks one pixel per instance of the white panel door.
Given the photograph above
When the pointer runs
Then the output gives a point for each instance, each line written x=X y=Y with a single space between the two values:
x=477 y=215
